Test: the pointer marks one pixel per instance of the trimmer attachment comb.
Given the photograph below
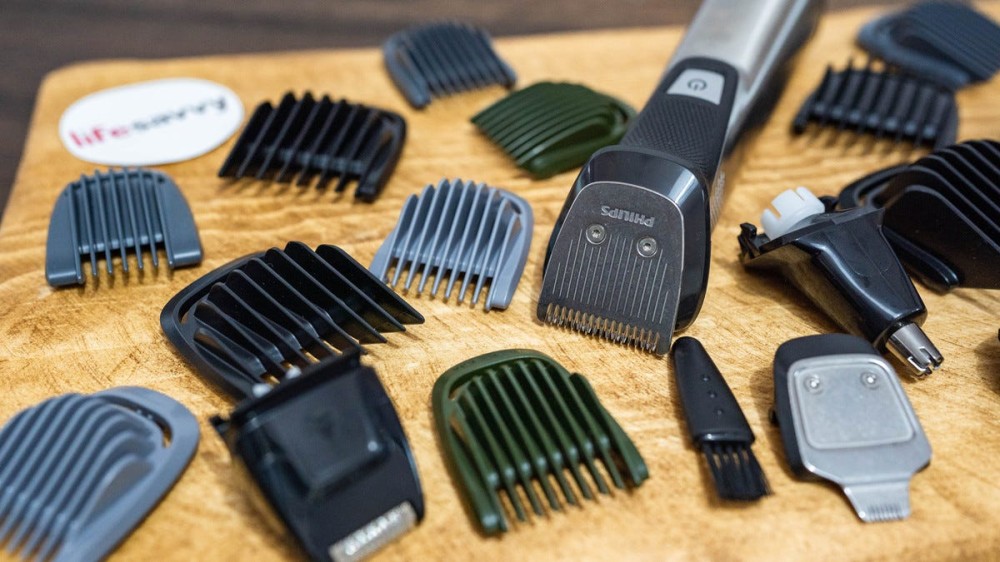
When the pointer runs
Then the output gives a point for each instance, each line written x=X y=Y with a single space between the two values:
x=948 y=42
x=78 y=473
x=327 y=452
x=114 y=214
x=325 y=139
x=549 y=127
x=441 y=59
x=883 y=103
x=267 y=316
x=516 y=421
x=459 y=230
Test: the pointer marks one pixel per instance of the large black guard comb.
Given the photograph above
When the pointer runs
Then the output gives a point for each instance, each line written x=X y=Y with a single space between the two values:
x=324 y=139
x=114 y=214
x=266 y=316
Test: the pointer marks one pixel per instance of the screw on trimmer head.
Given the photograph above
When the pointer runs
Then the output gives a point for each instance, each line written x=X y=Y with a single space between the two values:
x=459 y=230
x=517 y=422
x=119 y=212
x=441 y=59
x=328 y=139
x=549 y=127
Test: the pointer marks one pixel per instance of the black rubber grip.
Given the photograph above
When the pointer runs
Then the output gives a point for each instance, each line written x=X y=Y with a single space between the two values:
x=711 y=410
x=684 y=125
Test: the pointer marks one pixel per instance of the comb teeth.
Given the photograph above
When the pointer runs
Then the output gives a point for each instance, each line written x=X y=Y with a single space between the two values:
x=266 y=316
x=882 y=103
x=593 y=325
x=116 y=213
x=459 y=230
x=948 y=42
x=516 y=421
x=442 y=59
x=323 y=139
x=77 y=473
x=549 y=127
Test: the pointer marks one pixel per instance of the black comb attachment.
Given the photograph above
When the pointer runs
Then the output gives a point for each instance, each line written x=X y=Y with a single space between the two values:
x=440 y=59
x=327 y=452
x=717 y=424
x=883 y=103
x=948 y=42
x=112 y=214
x=942 y=214
x=266 y=316
x=322 y=140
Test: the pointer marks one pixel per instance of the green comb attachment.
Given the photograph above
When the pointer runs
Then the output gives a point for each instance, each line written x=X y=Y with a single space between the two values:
x=551 y=127
x=517 y=422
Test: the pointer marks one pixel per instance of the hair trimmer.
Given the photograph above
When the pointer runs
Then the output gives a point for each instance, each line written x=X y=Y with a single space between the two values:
x=629 y=254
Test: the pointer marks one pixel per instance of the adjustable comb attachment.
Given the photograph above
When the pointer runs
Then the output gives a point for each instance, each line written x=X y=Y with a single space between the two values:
x=114 y=214
x=883 y=103
x=942 y=213
x=267 y=316
x=325 y=139
x=549 y=127
x=948 y=42
x=328 y=453
x=515 y=422
x=459 y=230
x=78 y=473
x=442 y=59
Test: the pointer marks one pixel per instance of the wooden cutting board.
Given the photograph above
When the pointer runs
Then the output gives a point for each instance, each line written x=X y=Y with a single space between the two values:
x=107 y=333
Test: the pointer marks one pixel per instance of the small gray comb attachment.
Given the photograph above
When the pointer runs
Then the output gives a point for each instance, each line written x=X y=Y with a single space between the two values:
x=459 y=231
x=78 y=473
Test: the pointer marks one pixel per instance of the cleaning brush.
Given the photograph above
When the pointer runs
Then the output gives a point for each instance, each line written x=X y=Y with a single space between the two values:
x=717 y=424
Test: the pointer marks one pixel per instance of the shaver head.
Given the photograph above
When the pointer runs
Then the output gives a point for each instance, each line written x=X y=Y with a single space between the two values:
x=628 y=257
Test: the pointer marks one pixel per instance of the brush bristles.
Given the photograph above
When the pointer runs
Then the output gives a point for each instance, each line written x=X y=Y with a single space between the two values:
x=737 y=474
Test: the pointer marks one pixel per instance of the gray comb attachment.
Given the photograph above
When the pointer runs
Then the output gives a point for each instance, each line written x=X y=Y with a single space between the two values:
x=459 y=230
x=78 y=473
x=114 y=213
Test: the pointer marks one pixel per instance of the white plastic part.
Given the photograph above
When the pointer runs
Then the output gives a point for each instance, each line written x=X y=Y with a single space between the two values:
x=793 y=206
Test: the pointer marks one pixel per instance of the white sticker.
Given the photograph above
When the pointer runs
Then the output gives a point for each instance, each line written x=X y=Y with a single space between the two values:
x=148 y=123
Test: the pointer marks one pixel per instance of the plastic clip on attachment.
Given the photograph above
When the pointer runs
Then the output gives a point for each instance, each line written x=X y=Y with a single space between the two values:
x=549 y=127
x=717 y=424
x=267 y=316
x=328 y=453
x=325 y=138
x=842 y=261
x=516 y=421
x=440 y=59
x=459 y=230
x=119 y=212
x=844 y=417
x=78 y=473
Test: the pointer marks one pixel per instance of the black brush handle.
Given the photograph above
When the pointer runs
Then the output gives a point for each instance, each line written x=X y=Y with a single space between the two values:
x=688 y=115
x=710 y=408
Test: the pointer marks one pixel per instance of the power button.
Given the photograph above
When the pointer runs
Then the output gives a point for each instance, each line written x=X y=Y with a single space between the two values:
x=701 y=84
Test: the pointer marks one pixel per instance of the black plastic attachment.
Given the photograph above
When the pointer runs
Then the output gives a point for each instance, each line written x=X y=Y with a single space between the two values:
x=883 y=103
x=119 y=212
x=309 y=138
x=716 y=423
x=267 y=316
x=328 y=453
x=948 y=42
x=441 y=59
x=942 y=214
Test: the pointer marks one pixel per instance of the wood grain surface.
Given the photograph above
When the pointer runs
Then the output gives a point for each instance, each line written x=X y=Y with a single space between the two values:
x=107 y=333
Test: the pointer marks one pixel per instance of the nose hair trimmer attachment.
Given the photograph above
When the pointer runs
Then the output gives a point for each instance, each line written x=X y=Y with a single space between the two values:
x=515 y=422
x=843 y=263
x=844 y=417
x=459 y=231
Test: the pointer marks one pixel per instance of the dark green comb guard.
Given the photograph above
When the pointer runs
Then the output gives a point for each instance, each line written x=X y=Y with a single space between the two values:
x=515 y=420
x=550 y=127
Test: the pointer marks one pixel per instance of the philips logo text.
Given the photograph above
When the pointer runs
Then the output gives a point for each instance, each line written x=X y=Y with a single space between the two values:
x=627 y=216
